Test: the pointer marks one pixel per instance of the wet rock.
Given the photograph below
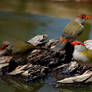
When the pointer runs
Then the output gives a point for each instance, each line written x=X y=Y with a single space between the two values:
x=35 y=51
x=4 y=61
x=51 y=43
x=40 y=62
x=2 y=52
x=42 y=57
x=17 y=70
x=16 y=62
x=82 y=69
x=66 y=70
x=30 y=72
x=73 y=65
x=85 y=78
x=37 y=40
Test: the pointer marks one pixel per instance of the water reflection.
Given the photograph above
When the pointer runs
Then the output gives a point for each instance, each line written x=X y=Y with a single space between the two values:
x=16 y=85
x=87 y=88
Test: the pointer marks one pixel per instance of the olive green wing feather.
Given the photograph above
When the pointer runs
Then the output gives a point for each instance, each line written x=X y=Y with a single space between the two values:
x=72 y=30
x=21 y=47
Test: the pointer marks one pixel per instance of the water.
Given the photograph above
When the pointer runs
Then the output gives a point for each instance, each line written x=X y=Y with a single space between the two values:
x=20 y=23
x=26 y=26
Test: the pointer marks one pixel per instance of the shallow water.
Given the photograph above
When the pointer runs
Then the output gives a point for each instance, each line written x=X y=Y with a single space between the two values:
x=23 y=26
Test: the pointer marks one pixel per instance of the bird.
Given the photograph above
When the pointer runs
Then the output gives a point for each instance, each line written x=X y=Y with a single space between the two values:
x=20 y=47
x=19 y=50
x=83 y=52
x=16 y=48
x=71 y=31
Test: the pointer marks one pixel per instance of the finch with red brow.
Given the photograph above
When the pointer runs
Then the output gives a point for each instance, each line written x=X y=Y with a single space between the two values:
x=71 y=31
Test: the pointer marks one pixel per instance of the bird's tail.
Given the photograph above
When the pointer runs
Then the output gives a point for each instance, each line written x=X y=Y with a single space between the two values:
x=60 y=45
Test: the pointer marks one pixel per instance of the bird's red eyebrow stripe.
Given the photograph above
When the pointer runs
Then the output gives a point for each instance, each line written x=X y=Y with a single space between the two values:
x=86 y=17
x=76 y=43
x=82 y=44
x=79 y=16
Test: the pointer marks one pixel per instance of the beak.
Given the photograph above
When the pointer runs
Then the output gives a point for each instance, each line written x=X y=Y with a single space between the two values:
x=87 y=17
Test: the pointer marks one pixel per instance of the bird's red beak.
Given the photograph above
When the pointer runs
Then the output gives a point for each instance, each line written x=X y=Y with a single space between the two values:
x=87 y=17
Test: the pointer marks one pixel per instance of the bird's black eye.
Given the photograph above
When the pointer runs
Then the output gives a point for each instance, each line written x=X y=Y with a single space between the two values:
x=78 y=44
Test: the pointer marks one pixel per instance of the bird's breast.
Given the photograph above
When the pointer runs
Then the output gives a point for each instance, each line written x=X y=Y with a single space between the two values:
x=88 y=54
x=80 y=57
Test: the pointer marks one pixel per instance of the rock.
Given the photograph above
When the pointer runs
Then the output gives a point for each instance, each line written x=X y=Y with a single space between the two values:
x=85 y=78
x=61 y=67
x=3 y=52
x=42 y=57
x=35 y=51
x=30 y=72
x=67 y=69
x=39 y=62
x=4 y=61
x=38 y=39
x=18 y=70
x=73 y=65
x=51 y=43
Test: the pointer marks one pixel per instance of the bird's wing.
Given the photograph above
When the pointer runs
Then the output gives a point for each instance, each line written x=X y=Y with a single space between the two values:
x=72 y=30
x=21 y=46
x=88 y=44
